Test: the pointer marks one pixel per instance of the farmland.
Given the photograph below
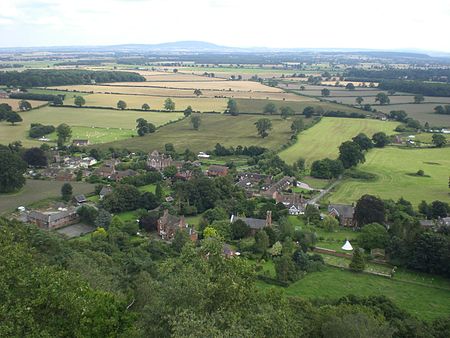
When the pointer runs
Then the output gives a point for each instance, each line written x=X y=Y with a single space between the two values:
x=324 y=139
x=36 y=190
x=223 y=129
x=392 y=166
x=15 y=103
x=118 y=121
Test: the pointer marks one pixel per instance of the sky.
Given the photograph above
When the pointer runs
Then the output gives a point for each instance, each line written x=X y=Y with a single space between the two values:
x=381 y=24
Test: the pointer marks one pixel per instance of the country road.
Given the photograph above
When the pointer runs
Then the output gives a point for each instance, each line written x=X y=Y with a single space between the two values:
x=323 y=192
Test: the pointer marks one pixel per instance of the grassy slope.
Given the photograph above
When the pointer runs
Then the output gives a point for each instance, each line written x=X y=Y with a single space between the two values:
x=392 y=166
x=324 y=139
x=35 y=190
x=103 y=118
x=420 y=300
x=223 y=129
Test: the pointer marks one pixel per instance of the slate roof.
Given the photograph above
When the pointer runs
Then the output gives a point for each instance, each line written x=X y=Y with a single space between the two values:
x=343 y=210
x=50 y=217
x=253 y=223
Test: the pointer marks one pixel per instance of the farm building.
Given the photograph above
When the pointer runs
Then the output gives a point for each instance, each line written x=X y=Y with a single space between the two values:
x=169 y=224
x=53 y=219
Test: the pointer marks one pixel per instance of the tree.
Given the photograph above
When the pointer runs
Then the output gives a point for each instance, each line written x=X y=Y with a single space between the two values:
x=87 y=214
x=24 y=105
x=418 y=98
x=286 y=112
x=197 y=92
x=285 y=268
x=159 y=192
x=308 y=111
x=261 y=242
x=350 y=154
x=179 y=240
x=145 y=106
x=325 y=92
x=439 y=140
x=169 y=104
x=297 y=125
x=188 y=111
x=232 y=107
x=58 y=100
x=380 y=139
x=359 y=100
x=35 y=157
x=357 y=264
x=350 y=86
x=12 y=169
x=79 y=101
x=263 y=126
x=121 y=104
x=64 y=132
x=382 y=98
x=66 y=192
x=170 y=171
x=369 y=209
x=373 y=236
x=330 y=223
x=355 y=325
x=312 y=214
x=439 y=209
x=13 y=117
x=143 y=127
x=103 y=219
x=270 y=108
x=4 y=109
x=196 y=120
x=239 y=229
x=364 y=142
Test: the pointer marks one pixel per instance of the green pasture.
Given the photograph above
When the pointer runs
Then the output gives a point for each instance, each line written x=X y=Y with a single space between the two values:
x=324 y=139
x=392 y=166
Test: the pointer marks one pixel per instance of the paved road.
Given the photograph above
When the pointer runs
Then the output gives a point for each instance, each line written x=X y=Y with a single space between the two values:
x=323 y=192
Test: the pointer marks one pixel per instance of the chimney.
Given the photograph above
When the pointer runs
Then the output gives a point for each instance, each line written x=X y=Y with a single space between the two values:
x=269 y=218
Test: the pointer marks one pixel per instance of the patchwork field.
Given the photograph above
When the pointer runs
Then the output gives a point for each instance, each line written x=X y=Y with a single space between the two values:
x=224 y=129
x=36 y=190
x=392 y=166
x=120 y=123
x=15 y=103
x=423 y=112
x=324 y=139
x=136 y=101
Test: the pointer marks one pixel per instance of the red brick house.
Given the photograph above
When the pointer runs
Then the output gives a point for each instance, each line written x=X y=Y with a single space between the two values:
x=53 y=219
x=169 y=224
x=217 y=170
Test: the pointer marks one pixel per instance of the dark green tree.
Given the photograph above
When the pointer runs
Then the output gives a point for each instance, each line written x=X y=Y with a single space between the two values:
x=121 y=104
x=263 y=126
x=350 y=154
x=357 y=264
x=270 y=108
x=232 y=107
x=66 y=192
x=12 y=169
x=364 y=142
x=188 y=111
x=380 y=139
x=79 y=101
x=439 y=140
x=369 y=209
x=196 y=120
x=13 y=117
x=169 y=104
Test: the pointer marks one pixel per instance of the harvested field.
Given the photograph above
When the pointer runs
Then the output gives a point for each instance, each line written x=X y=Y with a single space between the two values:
x=14 y=103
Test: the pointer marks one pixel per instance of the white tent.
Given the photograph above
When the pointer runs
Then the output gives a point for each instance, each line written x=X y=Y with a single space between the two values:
x=347 y=246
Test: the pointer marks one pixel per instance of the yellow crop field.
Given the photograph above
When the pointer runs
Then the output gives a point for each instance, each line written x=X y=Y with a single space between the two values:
x=136 y=101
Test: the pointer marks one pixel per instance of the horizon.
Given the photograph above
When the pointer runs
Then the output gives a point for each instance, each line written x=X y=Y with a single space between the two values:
x=54 y=23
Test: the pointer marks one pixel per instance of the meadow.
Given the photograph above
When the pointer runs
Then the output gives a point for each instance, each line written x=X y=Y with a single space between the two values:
x=392 y=166
x=15 y=103
x=119 y=122
x=324 y=139
x=224 y=129
x=423 y=112
x=37 y=190
x=420 y=299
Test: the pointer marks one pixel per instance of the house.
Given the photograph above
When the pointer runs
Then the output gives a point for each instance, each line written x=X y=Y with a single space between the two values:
x=295 y=203
x=80 y=199
x=184 y=175
x=105 y=171
x=344 y=213
x=217 y=170
x=118 y=175
x=3 y=94
x=87 y=162
x=80 y=143
x=64 y=175
x=427 y=223
x=168 y=225
x=53 y=219
x=255 y=224
x=159 y=161
x=278 y=186
x=105 y=191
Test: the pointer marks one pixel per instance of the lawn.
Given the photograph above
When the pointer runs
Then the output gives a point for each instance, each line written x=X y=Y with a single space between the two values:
x=324 y=139
x=36 y=190
x=121 y=123
x=392 y=166
x=423 y=301
x=224 y=129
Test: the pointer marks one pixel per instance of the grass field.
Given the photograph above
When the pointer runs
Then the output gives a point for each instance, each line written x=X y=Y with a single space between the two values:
x=136 y=101
x=121 y=122
x=392 y=166
x=214 y=128
x=422 y=300
x=36 y=190
x=324 y=139
x=423 y=112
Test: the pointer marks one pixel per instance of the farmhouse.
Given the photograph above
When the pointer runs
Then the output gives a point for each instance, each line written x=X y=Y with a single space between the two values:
x=344 y=213
x=159 y=161
x=295 y=203
x=255 y=224
x=53 y=219
x=217 y=170
x=80 y=143
x=169 y=224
